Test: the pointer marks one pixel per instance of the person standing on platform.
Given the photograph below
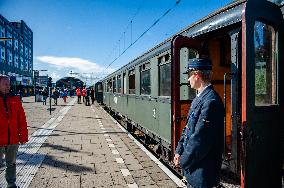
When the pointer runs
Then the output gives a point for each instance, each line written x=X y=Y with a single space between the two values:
x=13 y=130
x=78 y=93
x=92 y=95
x=84 y=93
x=44 y=94
x=87 y=97
x=64 y=95
x=200 y=148
x=55 y=96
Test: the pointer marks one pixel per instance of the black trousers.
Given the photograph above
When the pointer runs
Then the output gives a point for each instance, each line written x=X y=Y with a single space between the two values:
x=79 y=99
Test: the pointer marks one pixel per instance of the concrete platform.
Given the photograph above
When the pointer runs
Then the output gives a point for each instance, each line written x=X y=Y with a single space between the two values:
x=82 y=146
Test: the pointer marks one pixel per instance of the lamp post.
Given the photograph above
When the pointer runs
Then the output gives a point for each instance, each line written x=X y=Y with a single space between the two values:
x=34 y=74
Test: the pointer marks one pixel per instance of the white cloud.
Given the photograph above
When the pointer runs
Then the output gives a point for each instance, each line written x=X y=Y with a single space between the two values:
x=55 y=76
x=81 y=65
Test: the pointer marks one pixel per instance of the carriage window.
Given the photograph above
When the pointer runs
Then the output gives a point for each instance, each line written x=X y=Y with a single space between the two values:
x=109 y=86
x=265 y=64
x=119 y=84
x=145 y=79
x=131 y=79
x=165 y=80
x=124 y=83
x=114 y=84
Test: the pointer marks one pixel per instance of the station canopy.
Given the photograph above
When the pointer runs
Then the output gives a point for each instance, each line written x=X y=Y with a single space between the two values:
x=69 y=82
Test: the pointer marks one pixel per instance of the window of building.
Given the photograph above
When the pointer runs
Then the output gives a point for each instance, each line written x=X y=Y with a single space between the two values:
x=30 y=68
x=16 y=61
x=21 y=63
x=15 y=44
x=26 y=52
x=145 y=79
x=21 y=48
x=265 y=64
x=9 y=42
x=26 y=65
x=9 y=57
x=3 y=32
x=119 y=84
x=2 y=53
x=30 y=54
x=131 y=79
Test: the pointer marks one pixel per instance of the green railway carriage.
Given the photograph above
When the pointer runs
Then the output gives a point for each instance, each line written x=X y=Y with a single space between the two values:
x=245 y=42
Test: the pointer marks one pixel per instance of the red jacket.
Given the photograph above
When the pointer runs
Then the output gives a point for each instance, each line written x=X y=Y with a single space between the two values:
x=83 y=92
x=78 y=92
x=13 y=124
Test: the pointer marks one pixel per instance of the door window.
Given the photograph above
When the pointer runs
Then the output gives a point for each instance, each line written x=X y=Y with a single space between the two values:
x=265 y=64
x=186 y=92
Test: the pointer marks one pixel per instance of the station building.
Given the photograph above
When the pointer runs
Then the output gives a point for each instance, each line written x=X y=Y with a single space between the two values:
x=16 y=55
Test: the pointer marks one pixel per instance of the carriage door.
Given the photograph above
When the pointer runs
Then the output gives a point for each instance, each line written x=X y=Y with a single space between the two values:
x=183 y=48
x=262 y=94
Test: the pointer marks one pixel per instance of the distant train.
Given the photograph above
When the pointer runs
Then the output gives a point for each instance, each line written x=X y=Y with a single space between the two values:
x=245 y=42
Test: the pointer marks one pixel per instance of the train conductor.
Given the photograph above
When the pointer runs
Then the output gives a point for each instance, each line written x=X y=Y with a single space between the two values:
x=200 y=148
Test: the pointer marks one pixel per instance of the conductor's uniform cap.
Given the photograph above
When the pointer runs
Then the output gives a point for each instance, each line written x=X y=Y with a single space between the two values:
x=198 y=64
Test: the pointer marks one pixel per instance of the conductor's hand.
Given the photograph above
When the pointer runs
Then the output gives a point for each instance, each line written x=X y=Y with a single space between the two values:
x=177 y=160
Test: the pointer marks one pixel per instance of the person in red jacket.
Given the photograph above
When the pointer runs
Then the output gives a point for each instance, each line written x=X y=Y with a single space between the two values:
x=13 y=129
x=84 y=93
x=78 y=93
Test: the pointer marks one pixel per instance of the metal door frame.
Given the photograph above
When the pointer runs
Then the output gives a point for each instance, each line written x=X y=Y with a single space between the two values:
x=178 y=42
x=258 y=10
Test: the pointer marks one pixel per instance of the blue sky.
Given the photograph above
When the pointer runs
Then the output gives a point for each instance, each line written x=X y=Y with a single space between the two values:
x=82 y=36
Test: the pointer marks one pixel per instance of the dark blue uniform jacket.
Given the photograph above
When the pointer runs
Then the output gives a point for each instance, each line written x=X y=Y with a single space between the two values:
x=201 y=143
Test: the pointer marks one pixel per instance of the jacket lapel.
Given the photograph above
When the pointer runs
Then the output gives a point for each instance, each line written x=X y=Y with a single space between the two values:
x=204 y=93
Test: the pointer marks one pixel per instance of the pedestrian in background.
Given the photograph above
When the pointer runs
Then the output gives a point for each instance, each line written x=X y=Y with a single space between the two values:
x=92 y=95
x=200 y=148
x=87 y=97
x=84 y=93
x=55 y=96
x=78 y=93
x=44 y=94
x=20 y=92
x=64 y=95
x=13 y=129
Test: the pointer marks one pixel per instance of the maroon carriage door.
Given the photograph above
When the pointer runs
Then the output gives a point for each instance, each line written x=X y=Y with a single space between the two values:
x=262 y=94
x=180 y=96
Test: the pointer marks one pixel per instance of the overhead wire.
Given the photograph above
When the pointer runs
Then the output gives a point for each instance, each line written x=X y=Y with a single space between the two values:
x=155 y=22
x=122 y=36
